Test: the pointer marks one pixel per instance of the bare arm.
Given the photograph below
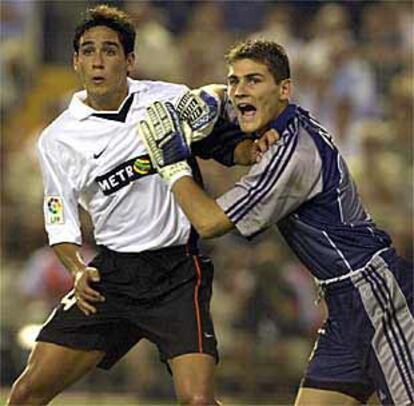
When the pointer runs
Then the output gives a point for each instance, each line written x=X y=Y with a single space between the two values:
x=70 y=257
x=82 y=275
x=203 y=212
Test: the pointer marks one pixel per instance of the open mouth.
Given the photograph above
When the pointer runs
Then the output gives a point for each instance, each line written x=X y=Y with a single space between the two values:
x=246 y=109
x=98 y=79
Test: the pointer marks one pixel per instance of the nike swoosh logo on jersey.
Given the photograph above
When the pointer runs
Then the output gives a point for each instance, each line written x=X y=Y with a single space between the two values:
x=97 y=155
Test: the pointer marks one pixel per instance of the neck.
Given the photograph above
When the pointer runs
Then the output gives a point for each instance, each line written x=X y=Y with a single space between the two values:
x=281 y=109
x=278 y=113
x=110 y=101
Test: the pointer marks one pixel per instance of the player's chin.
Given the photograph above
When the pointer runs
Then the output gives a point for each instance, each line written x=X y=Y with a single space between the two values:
x=98 y=88
x=249 y=127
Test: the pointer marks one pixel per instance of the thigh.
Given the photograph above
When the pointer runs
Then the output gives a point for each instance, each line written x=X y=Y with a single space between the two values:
x=333 y=367
x=56 y=367
x=107 y=331
x=312 y=397
x=194 y=377
x=180 y=322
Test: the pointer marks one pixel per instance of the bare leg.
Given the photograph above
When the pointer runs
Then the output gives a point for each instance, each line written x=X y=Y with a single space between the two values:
x=319 y=397
x=50 y=369
x=194 y=379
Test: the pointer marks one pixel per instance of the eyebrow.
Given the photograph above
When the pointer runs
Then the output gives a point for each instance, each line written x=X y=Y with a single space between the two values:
x=248 y=76
x=90 y=42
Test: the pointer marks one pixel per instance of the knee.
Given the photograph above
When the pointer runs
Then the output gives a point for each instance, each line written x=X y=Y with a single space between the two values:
x=27 y=390
x=197 y=400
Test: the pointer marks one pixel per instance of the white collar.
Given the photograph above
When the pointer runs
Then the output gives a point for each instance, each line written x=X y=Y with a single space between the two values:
x=80 y=110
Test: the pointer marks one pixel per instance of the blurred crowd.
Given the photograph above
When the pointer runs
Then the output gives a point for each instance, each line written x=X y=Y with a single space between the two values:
x=352 y=66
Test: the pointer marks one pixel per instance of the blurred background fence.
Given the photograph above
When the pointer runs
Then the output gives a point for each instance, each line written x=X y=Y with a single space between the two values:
x=352 y=64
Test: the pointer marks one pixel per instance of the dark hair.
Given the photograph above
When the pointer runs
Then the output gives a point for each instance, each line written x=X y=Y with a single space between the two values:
x=110 y=17
x=267 y=52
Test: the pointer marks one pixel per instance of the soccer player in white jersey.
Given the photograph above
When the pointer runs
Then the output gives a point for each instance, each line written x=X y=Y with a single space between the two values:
x=302 y=186
x=148 y=280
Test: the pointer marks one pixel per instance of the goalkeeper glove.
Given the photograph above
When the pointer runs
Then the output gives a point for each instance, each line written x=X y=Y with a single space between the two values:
x=164 y=137
x=200 y=109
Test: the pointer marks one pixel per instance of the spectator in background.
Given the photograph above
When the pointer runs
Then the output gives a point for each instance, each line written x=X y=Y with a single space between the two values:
x=17 y=53
x=266 y=316
x=400 y=105
x=203 y=43
x=278 y=25
x=238 y=15
x=386 y=159
x=384 y=41
x=405 y=22
x=159 y=57
x=333 y=79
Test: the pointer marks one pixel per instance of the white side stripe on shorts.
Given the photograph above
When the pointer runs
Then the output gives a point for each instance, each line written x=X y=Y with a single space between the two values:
x=393 y=340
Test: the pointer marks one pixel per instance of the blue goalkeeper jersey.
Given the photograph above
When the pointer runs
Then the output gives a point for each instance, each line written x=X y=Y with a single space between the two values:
x=303 y=185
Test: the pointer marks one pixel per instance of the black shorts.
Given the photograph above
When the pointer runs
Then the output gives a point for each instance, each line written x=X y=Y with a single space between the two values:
x=163 y=296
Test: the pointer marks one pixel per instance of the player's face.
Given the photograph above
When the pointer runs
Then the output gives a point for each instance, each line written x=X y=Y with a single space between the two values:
x=256 y=96
x=102 y=65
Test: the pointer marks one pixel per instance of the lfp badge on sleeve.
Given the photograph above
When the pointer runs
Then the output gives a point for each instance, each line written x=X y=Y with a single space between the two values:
x=54 y=210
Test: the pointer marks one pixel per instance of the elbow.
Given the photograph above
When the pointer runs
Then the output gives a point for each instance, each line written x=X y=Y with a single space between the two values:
x=211 y=229
x=206 y=232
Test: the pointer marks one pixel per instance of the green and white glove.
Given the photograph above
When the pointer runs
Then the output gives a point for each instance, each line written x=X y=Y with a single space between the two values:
x=165 y=139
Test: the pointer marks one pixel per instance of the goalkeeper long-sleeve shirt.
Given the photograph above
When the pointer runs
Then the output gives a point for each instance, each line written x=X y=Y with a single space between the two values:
x=303 y=186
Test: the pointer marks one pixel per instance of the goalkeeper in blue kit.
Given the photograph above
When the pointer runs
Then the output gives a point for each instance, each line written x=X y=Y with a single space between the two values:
x=302 y=186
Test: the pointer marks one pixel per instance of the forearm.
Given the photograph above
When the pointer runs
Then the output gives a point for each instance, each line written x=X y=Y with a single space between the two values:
x=83 y=276
x=70 y=257
x=203 y=212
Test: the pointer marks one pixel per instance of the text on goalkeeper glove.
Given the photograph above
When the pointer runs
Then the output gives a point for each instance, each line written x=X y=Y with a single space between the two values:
x=200 y=110
x=171 y=173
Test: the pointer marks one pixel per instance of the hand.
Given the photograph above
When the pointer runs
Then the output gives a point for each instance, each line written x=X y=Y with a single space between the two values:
x=164 y=137
x=249 y=152
x=261 y=145
x=84 y=293
x=200 y=109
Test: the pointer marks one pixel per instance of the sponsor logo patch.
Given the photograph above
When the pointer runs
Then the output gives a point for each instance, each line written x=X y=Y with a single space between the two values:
x=124 y=174
x=142 y=166
x=54 y=210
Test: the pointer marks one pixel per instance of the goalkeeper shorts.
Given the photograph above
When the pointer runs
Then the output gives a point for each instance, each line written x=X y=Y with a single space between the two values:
x=367 y=342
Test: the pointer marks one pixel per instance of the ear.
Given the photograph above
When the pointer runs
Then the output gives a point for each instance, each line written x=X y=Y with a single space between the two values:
x=130 y=62
x=285 y=91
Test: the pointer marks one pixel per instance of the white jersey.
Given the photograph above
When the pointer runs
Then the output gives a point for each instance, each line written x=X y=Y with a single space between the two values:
x=96 y=159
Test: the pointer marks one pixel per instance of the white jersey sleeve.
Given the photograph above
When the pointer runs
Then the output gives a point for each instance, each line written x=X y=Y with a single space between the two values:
x=60 y=205
x=288 y=175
